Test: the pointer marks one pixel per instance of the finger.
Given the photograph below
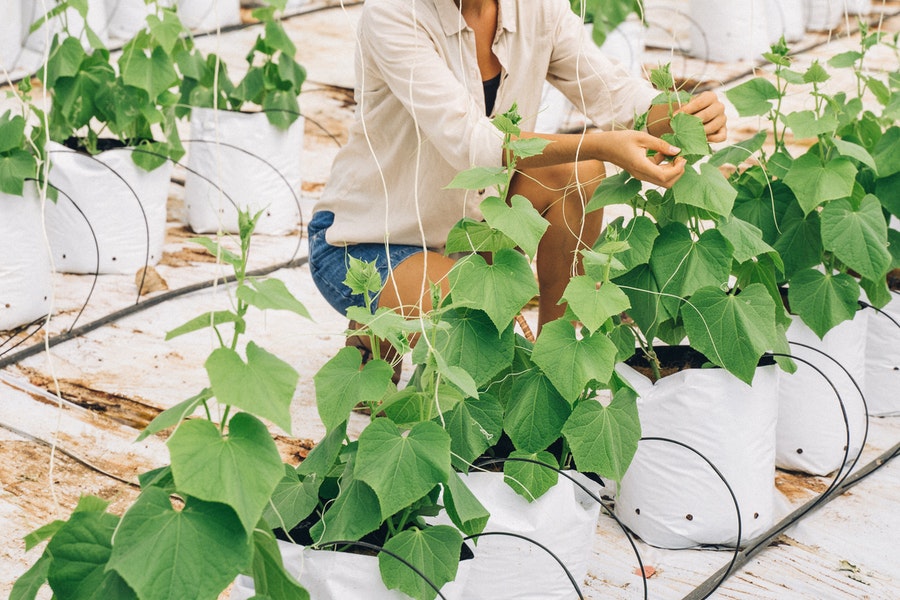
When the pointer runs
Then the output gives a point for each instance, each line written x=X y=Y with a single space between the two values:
x=699 y=102
x=654 y=143
x=715 y=124
x=718 y=136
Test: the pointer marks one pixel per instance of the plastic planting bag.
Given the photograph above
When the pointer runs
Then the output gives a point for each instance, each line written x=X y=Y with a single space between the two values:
x=670 y=497
x=25 y=283
x=728 y=30
x=243 y=160
x=127 y=17
x=564 y=520
x=206 y=15
x=812 y=434
x=824 y=15
x=882 y=380
x=12 y=31
x=71 y=21
x=111 y=214
x=786 y=18
x=328 y=575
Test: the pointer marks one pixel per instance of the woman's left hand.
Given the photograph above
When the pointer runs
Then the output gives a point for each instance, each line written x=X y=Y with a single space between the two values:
x=708 y=108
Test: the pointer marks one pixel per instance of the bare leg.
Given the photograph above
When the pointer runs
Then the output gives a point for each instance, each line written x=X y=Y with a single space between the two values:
x=560 y=195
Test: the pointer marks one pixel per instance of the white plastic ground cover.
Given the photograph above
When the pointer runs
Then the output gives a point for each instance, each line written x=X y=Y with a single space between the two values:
x=564 y=520
x=109 y=198
x=208 y=15
x=728 y=30
x=823 y=15
x=882 y=382
x=329 y=575
x=25 y=282
x=786 y=18
x=670 y=497
x=242 y=158
x=812 y=434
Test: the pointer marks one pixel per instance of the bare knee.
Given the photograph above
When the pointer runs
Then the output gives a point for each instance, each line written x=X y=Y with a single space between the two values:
x=408 y=288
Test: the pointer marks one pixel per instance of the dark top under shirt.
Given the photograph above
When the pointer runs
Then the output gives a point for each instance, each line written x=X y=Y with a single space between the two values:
x=490 y=93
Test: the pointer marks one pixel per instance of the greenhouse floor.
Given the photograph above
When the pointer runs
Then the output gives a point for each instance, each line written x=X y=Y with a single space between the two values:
x=74 y=395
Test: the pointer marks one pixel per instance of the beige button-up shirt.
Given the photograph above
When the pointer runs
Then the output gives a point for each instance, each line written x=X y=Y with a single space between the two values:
x=420 y=116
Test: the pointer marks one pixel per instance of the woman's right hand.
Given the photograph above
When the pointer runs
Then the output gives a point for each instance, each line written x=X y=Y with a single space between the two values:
x=629 y=149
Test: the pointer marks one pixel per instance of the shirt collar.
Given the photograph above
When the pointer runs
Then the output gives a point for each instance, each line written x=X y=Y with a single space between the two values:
x=453 y=23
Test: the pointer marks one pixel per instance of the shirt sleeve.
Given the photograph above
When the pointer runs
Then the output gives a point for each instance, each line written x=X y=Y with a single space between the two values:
x=598 y=85
x=408 y=61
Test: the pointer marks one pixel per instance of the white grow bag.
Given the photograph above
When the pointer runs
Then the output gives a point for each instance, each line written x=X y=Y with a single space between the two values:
x=811 y=430
x=25 y=282
x=127 y=17
x=37 y=41
x=858 y=7
x=670 y=497
x=243 y=159
x=95 y=202
x=12 y=31
x=823 y=15
x=882 y=382
x=208 y=15
x=729 y=30
x=786 y=18
x=564 y=520
x=329 y=575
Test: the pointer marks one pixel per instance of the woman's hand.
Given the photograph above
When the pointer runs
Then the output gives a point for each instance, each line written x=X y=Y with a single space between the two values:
x=629 y=150
x=709 y=109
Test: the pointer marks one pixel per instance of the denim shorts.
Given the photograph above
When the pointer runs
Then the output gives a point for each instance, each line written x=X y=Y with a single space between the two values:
x=328 y=264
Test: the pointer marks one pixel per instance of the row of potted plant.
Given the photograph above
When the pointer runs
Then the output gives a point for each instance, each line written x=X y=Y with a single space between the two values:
x=706 y=261
x=112 y=121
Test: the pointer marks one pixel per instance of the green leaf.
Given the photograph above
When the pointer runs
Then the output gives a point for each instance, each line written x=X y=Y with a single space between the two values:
x=815 y=182
x=857 y=236
x=455 y=375
x=341 y=384
x=640 y=233
x=878 y=292
x=241 y=469
x=64 y=61
x=402 y=468
x=844 y=59
x=604 y=439
x=15 y=167
x=885 y=152
x=707 y=189
x=571 y=363
x=535 y=412
x=267 y=294
x=594 y=305
x=746 y=240
x=12 y=132
x=323 y=455
x=80 y=551
x=352 y=515
x=526 y=147
x=753 y=98
x=473 y=343
x=476 y=236
x=740 y=152
x=264 y=385
x=620 y=188
x=212 y=319
x=219 y=251
x=165 y=31
x=290 y=70
x=500 y=289
x=463 y=508
x=529 y=480
x=434 y=551
x=732 y=331
x=160 y=551
x=642 y=290
x=474 y=425
x=409 y=406
x=688 y=134
x=855 y=151
x=807 y=124
x=800 y=244
x=823 y=300
x=270 y=579
x=292 y=501
x=154 y=74
x=816 y=73
x=478 y=178
x=278 y=39
x=519 y=221
x=894 y=247
x=281 y=107
x=682 y=265
x=174 y=415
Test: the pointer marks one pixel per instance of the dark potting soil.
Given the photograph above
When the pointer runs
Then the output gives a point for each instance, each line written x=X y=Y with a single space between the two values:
x=673 y=359
x=103 y=144
x=893 y=280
